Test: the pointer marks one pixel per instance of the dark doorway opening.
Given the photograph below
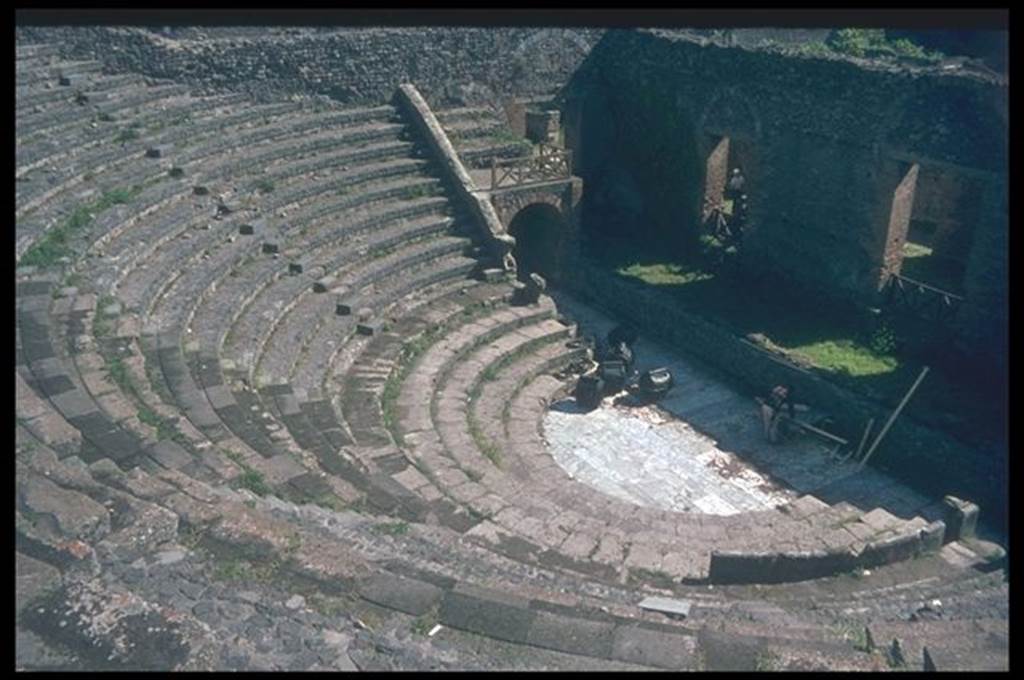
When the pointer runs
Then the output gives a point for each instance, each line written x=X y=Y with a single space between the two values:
x=538 y=230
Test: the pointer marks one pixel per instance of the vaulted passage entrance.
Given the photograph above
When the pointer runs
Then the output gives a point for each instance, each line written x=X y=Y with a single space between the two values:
x=538 y=229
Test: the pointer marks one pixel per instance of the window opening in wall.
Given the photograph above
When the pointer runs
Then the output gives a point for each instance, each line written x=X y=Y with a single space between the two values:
x=940 y=233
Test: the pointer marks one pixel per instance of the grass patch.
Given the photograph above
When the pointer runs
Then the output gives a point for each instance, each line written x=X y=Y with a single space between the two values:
x=846 y=357
x=233 y=570
x=487 y=447
x=56 y=243
x=253 y=480
x=236 y=569
x=264 y=185
x=506 y=136
x=842 y=341
x=656 y=577
x=150 y=417
x=422 y=625
x=390 y=528
x=663 y=274
x=873 y=42
x=250 y=479
x=126 y=135
x=328 y=606
x=854 y=633
x=329 y=501
x=118 y=372
x=190 y=537
x=422 y=191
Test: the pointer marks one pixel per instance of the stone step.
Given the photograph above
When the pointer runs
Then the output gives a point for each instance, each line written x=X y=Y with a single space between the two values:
x=977 y=645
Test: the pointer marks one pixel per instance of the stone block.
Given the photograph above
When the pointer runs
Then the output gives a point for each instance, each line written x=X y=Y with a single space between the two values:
x=370 y=328
x=62 y=513
x=889 y=550
x=169 y=454
x=151 y=526
x=32 y=579
x=176 y=172
x=932 y=536
x=69 y=80
x=802 y=566
x=741 y=567
x=880 y=520
x=542 y=126
x=487 y=612
x=270 y=248
x=295 y=268
x=572 y=635
x=158 y=151
x=201 y=190
x=961 y=518
x=407 y=595
x=492 y=275
x=633 y=644
x=342 y=308
x=252 y=227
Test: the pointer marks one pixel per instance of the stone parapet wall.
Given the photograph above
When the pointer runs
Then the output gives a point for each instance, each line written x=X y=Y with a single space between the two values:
x=497 y=241
x=782 y=567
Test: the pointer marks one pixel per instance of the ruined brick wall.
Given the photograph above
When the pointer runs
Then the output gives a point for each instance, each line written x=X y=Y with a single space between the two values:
x=828 y=142
x=448 y=65
x=950 y=206
x=984 y=318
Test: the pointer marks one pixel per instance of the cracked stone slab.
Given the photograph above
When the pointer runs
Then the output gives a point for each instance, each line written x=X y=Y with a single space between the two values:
x=492 y=613
x=407 y=595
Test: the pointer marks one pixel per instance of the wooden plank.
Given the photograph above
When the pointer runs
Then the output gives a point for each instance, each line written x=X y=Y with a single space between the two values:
x=811 y=428
x=894 y=415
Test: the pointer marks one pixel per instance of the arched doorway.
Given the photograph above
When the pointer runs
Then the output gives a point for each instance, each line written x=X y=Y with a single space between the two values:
x=538 y=229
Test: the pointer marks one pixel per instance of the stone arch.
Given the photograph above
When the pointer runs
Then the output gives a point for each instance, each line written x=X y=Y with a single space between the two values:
x=540 y=230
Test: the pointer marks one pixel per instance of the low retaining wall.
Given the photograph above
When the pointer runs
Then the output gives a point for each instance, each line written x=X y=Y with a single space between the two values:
x=729 y=566
x=922 y=457
x=498 y=242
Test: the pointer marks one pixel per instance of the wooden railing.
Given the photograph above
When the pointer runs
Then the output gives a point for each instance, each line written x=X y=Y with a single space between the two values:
x=548 y=164
x=926 y=301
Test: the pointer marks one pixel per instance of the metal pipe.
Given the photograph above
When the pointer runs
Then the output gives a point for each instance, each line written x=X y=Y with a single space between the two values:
x=893 y=417
x=864 y=438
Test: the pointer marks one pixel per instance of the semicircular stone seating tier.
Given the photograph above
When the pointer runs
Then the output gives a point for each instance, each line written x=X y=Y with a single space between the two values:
x=273 y=327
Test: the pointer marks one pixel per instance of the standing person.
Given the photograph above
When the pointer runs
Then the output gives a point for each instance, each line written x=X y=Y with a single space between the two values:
x=734 y=188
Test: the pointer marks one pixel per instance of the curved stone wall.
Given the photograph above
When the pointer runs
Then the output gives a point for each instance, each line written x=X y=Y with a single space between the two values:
x=449 y=65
